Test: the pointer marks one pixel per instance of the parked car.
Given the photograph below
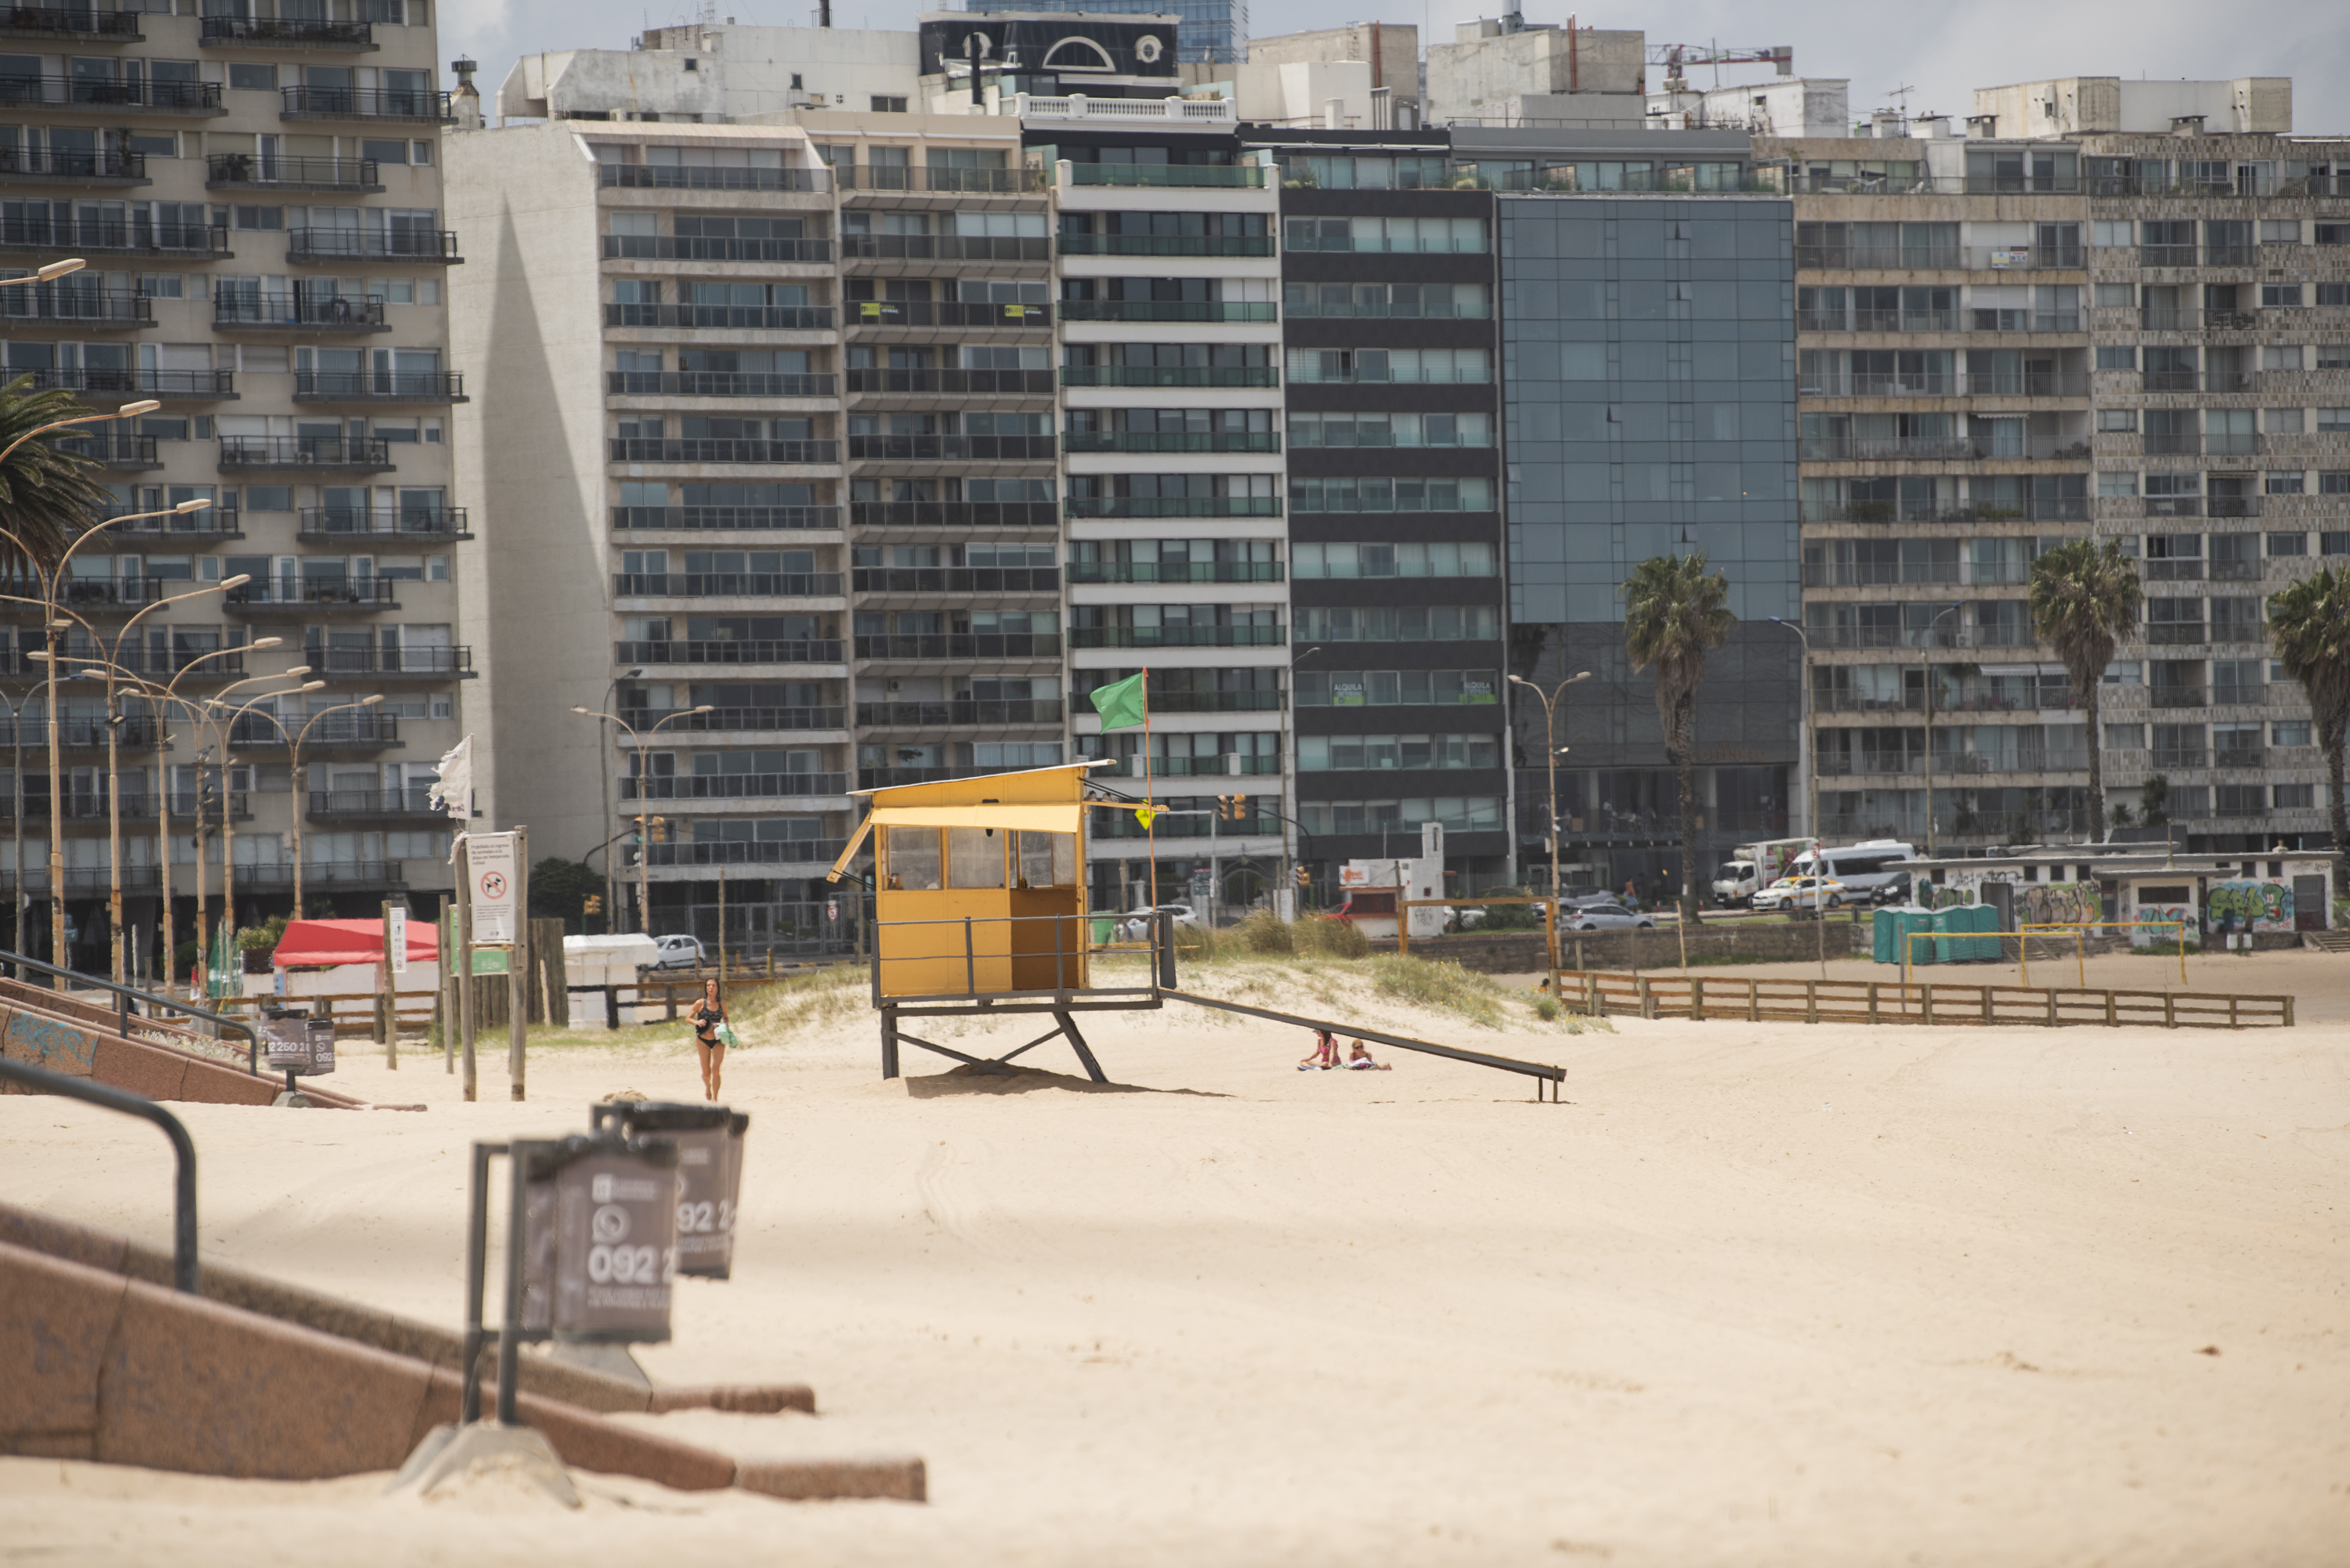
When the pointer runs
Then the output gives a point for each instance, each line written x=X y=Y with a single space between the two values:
x=681 y=952
x=1134 y=926
x=1603 y=917
x=1795 y=894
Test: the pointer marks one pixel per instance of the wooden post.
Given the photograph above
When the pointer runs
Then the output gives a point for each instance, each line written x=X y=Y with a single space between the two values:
x=1697 y=998
x=1872 y=1001
x=2113 y=1013
x=1986 y=1004
x=518 y=967
x=2052 y=1007
x=1811 y=1002
x=464 y=957
x=1925 y=1001
x=668 y=994
x=1647 y=997
x=2288 y=1011
x=2231 y=1012
x=1595 y=1004
x=1753 y=1001
x=2170 y=1011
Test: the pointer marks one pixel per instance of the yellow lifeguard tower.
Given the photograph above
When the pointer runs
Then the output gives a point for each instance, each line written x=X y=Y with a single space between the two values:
x=979 y=905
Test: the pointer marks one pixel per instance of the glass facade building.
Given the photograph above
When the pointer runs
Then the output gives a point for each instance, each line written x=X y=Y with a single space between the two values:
x=1649 y=409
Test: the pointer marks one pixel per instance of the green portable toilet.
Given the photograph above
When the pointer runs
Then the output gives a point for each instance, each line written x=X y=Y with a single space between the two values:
x=1884 y=944
x=1947 y=948
x=1913 y=922
x=1987 y=943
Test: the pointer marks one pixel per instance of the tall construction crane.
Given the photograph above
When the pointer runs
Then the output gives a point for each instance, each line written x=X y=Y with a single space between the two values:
x=1676 y=57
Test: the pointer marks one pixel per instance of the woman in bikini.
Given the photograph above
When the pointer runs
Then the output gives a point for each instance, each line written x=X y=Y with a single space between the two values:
x=708 y=1014
x=1326 y=1052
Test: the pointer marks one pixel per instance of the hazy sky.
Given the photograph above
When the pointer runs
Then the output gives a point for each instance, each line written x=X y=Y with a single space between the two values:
x=1943 y=55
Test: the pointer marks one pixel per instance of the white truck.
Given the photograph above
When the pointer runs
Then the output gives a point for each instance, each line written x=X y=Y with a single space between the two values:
x=1754 y=867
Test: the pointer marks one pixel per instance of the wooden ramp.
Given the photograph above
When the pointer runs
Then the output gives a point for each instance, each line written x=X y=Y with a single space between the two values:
x=1681 y=994
x=1541 y=1073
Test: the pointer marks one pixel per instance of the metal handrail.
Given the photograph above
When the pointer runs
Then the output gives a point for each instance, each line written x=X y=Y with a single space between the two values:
x=41 y=1080
x=125 y=995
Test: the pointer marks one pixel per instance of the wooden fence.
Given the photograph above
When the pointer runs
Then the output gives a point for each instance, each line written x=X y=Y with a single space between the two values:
x=1759 y=1001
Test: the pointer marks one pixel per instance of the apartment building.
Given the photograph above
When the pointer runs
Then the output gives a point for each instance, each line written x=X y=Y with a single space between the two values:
x=259 y=201
x=2011 y=338
x=1389 y=296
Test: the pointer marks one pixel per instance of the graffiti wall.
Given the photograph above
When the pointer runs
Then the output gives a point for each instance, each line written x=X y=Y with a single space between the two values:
x=2261 y=906
x=1962 y=886
x=2058 y=903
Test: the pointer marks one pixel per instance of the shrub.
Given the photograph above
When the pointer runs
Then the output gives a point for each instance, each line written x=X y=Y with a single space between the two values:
x=1327 y=937
x=1265 y=932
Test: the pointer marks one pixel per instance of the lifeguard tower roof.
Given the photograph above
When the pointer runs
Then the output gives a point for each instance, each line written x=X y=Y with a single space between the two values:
x=1035 y=800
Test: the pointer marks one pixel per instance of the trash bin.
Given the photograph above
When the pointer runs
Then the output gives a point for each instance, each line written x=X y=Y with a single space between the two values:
x=611 y=1253
x=297 y=1044
x=1105 y=929
x=708 y=1173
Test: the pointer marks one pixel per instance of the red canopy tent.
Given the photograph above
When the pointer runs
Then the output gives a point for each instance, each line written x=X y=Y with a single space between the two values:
x=350 y=942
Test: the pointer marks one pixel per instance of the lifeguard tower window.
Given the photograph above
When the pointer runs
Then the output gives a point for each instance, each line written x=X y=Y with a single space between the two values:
x=910 y=858
x=975 y=856
x=1048 y=860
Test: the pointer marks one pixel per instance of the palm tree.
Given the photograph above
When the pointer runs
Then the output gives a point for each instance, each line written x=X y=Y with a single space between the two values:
x=2309 y=627
x=2084 y=599
x=48 y=494
x=1673 y=616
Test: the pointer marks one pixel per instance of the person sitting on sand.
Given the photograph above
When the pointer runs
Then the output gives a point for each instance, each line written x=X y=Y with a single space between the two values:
x=1359 y=1060
x=1326 y=1052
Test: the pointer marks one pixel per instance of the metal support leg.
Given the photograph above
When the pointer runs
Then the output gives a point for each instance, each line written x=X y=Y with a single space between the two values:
x=477 y=1247
x=510 y=1331
x=1077 y=1043
x=888 y=1043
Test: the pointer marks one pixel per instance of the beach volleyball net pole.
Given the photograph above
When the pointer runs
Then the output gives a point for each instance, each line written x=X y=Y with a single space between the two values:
x=2053 y=940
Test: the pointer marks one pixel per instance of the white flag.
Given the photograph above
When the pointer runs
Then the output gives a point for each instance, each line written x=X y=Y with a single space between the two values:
x=454 y=793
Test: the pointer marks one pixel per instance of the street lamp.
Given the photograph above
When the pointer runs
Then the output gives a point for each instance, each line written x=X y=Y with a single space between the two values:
x=604 y=765
x=293 y=739
x=1554 y=750
x=644 y=793
x=49 y=580
x=49 y=274
x=1925 y=668
x=1807 y=787
x=224 y=717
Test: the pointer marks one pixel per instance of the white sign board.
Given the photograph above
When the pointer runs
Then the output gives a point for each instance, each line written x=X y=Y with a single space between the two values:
x=395 y=937
x=490 y=861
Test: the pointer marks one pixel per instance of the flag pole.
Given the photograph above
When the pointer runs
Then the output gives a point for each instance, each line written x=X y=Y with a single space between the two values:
x=1150 y=824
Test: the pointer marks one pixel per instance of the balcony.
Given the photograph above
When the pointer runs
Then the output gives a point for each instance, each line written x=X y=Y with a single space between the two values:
x=364 y=729
x=1178 y=636
x=731 y=650
x=688 y=247
x=1967 y=321
x=206 y=663
x=673 y=177
x=1944 y=384
x=378 y=387
x=953 y=449
x=967 y=713
x=962 y=645
x=1820 y=182
x=2232 y=506
x=435 y=247
x=19 y=166
x=63 y=305
x=729 y=317
x=746 y=852
x=248 y=172
x=98 y=595
x=91 y=95
x=1166 y=245
x=2176 y=633
x=2042 y=509
x=413 y=804
x=1226 y=766
x=955 y=513
x=442 y=524
x=214 y=523
x=2173 y=443
x=945 y=247
x=946 y=313
x=1172 y=176
x=716 y=384
x=957 y=383
x=246 y=32
x=240 y=454
x=1852 y=449
x=1169 y=376
x=362 y=103
x=278 y=877
x=2177 y=697
x=165 y=386
x=720 y=720
x=134 y=732
x=2195 y=381
x=2238 y=694
x=307 y=595
x=943 y=182
x=958 y=579
x=1882 y=574
x=726 y=518
x=726 y=584
x=388 y=663
x=1172 y=441
x=101 y=236
x=112 y=449
x=733 y=786
x=2231 y=443
x=2181 y=757
x=720 y=448
x=2240 y=757
x=1096 y=572
x=296 y=313
x=80 y=25
x=1174 y=506
x=1167 y=310
x=1194 y=824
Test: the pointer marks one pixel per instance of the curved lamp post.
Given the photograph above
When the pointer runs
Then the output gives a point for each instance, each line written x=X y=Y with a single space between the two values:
x=1549 y=700
x=644 y=841
x=294 y=738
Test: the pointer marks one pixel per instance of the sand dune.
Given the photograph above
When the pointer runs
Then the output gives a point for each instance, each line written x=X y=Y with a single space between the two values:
x=1754 y=1294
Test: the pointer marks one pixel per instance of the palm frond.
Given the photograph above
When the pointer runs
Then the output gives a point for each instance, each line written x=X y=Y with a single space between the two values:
x=48 y=494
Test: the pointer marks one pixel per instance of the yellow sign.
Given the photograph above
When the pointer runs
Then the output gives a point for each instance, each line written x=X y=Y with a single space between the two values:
x=1145 y=815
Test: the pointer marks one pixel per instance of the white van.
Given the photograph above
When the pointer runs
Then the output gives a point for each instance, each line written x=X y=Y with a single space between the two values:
x=1864 y=869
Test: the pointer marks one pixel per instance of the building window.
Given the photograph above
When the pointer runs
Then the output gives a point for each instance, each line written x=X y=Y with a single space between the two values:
x=883 y=104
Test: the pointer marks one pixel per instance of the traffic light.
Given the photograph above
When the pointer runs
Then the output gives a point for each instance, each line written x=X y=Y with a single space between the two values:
x=594 y=905
x=1232 y=807
x=1304 y=877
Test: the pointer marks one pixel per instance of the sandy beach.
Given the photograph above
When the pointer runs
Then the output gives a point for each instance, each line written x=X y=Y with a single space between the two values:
x=1755 y=1293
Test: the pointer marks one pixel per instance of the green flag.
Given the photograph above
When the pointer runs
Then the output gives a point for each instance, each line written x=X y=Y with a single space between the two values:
x=1121 y=705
